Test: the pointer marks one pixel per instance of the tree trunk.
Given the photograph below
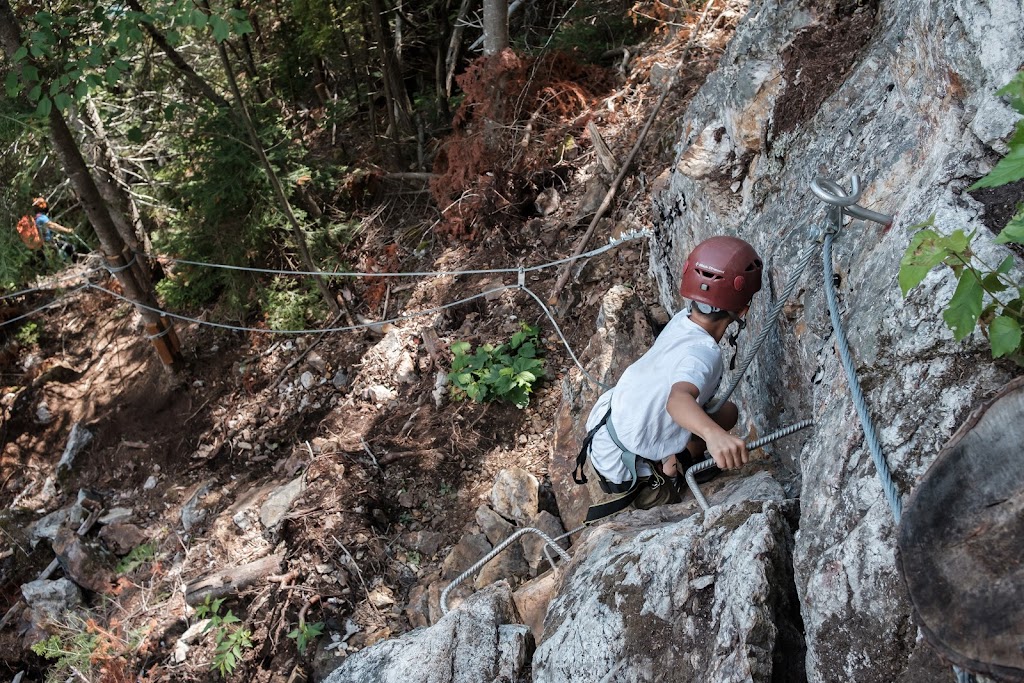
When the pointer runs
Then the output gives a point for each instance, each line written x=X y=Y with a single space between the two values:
x=275 y=182
x=455 y=45
x=117 y=254
x=960 y=538
x=495 y=26
x=391 y=75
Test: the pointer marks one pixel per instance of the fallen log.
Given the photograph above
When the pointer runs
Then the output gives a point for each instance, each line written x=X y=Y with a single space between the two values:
x=960 y=540
x=233 y=579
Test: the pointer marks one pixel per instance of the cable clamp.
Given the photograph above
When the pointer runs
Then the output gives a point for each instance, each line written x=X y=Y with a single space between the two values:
x=522 y=277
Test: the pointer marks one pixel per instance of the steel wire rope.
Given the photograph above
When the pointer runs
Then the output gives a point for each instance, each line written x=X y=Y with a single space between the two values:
x=859 y=402
x=53 y=303
x=628 y=237
x=352 y=328
x=46 y=289
x=769 y=327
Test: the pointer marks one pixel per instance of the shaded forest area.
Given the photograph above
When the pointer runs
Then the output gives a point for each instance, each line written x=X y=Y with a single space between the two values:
x=330 y=137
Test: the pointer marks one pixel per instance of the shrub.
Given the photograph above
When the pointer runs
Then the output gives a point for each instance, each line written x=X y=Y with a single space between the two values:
x=506 y=372
x=986 y=297
x=230 y=639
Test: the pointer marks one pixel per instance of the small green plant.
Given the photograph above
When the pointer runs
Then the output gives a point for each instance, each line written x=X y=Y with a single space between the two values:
x=82 y=649
x=28 y=334
x=985 y=296
x=230 y=639
x=505 y=372
x=138 y=556
x=305 y=633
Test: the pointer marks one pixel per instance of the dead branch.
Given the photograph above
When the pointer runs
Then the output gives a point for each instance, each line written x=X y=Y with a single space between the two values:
x=233 y=579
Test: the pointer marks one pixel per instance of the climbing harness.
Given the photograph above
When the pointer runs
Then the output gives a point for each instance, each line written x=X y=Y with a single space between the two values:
x=629 y=489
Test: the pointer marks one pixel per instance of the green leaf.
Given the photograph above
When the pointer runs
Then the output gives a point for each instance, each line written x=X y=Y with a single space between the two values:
x=81 y=90
x=993 y=284
x=61 y=101
x=1014 y=90
x=1004 y=335
x=924 y=252
x=12 y=85
x=964 y=308
x=20 y=54
x=35 y=93
x=112 y=75
x=242 y=27
x=1005 y=266
x=29 y=74
x=199 y=18
x=221 y=28
x=1009 y=169
x=1014 y=230
x=135 y=134
x=460 y=348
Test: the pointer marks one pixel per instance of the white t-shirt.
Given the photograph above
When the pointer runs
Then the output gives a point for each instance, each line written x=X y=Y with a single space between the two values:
x=683 y=352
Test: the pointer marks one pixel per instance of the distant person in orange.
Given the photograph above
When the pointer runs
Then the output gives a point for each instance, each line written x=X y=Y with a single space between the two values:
x=44 y=231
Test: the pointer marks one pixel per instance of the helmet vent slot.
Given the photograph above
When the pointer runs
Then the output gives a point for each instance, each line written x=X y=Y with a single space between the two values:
x=708 y=274
x=755 y=265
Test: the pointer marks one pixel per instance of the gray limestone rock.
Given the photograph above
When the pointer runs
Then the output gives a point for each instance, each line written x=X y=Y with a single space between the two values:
x=78 y=439
x=280 y=501
x=52 y=599
x=628 y=599
x=533 y=545
x=495 y=527
x=515 y=494
x=472 y=644
x=914 y=114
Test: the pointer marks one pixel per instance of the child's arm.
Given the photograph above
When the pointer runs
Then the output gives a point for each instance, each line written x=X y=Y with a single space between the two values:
x=59 y=228
x=727 y=450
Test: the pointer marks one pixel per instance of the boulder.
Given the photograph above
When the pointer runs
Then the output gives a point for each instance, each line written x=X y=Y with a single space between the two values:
x=495 y=527
x=704 y=597
x=623 y=335
x=515 y=494
x=424 y=542
x=835 y=91
x=464 y=555
x=533 y=545
x=476 y=643
x=84 y=561
x=48 y=603
x=532 y=600
x=509 y=564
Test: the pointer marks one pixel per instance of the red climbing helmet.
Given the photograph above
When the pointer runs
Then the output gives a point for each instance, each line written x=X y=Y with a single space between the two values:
x=39 y=203
x=724 y=272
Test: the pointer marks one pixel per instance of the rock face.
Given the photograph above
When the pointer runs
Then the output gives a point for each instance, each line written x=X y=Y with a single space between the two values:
x=911 y=108
x=473 y=644
x=651 y=597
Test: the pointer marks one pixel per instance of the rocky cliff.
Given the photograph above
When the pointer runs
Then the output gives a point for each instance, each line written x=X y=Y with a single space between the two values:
x=909 y=105
x=797 y=580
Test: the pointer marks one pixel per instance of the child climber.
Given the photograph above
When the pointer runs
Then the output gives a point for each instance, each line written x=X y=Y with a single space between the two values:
x=652 y=425
x=45 y=228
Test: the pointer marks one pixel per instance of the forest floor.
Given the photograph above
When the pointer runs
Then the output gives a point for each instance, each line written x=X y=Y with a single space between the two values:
x=351 y=419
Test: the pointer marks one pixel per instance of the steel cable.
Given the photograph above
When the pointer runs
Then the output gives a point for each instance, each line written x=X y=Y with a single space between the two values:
x=859 y=402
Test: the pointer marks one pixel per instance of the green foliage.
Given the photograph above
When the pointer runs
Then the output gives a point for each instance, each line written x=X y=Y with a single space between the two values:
x=591 y=28
x=28 y=334
x=138 y=556
x=289 y=305
x=505 y=372
x=230 y=639
x=70 y=651
x=1011 y=167
x=306 y=633
x=985 y=296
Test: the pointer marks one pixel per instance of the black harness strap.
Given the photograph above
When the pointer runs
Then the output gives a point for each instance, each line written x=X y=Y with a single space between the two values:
x=630 y=489
x=578 y=475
